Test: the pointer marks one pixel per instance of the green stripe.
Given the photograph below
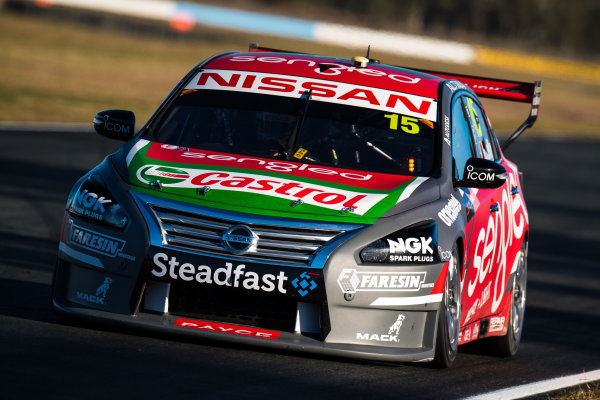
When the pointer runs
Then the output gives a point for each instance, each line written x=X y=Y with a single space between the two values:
x=261 y=204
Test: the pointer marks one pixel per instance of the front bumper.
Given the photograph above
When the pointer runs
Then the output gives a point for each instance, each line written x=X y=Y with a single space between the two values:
x=316 y=323
x=333 y=306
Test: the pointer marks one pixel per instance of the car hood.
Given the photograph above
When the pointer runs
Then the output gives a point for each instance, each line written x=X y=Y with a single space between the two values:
x=265 y=186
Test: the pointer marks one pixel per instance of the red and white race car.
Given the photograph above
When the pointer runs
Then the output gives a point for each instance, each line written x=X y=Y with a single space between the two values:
x=296 y=201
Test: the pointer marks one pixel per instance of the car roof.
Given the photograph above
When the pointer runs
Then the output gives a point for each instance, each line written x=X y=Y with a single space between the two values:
x=333 y=69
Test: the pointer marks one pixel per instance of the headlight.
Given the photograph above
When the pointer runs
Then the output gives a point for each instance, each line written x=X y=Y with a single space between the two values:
x=414 y=244
x=93 y=201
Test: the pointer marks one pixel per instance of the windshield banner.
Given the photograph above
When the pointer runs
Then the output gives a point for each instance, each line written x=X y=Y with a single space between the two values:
x=322 y=90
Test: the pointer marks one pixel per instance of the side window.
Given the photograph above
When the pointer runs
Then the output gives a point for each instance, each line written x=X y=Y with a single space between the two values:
x=484 y=146
x=462 y=142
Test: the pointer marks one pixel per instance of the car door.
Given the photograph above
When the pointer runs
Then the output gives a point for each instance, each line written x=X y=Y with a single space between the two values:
x=471 y=132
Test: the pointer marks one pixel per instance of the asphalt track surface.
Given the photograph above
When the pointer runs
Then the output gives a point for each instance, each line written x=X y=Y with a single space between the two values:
x=44 y=356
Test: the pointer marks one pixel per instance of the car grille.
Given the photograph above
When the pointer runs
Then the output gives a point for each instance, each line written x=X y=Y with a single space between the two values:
x=233 y=306
x=202 y=233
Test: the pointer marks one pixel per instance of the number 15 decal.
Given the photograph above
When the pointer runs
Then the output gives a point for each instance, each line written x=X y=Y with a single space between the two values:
x=407 y=124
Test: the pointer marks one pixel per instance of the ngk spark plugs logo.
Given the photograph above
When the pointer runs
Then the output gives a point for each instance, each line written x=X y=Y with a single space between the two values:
x=317 y=195
x=352 y=281
x=90 y=204
x=411 y=249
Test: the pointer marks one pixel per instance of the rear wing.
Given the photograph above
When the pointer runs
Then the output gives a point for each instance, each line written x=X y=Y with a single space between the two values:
x=500 y=89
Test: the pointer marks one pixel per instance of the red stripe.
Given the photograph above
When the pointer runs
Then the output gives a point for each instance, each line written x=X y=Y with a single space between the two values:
x=360 y=179
x=441 y=281
x=224 y=328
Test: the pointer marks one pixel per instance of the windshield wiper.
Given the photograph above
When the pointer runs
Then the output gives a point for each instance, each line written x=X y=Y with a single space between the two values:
x=373 y=147
x=293 y=141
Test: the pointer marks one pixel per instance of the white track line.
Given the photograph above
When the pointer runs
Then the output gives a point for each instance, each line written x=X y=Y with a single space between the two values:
x=531 y=389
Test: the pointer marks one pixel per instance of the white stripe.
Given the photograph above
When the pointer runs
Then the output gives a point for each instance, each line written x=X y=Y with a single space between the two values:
x=136 y=147
x=161 y=10
x=396 y=43
x=362 y=202
x=343 y=35
x=411 y=188
x=80 y=256
x=407 y=301
x=531 y=389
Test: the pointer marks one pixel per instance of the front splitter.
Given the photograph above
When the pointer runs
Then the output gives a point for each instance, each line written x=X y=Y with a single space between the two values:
x=285 y=341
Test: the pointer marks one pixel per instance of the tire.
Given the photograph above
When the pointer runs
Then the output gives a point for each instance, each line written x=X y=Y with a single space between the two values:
x=446 y=343
x=507 y=345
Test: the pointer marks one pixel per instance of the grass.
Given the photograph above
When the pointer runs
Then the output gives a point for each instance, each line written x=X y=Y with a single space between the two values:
x=583 y=392
x=62 y=71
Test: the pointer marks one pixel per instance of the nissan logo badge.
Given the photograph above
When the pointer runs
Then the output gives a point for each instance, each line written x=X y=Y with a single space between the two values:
x=239 y=239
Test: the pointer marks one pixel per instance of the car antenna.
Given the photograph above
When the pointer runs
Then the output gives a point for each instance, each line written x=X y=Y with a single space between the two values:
x=371 y=60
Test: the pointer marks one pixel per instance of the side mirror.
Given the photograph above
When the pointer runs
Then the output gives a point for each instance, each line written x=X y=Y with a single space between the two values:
x=115 y=124
x=482 y=173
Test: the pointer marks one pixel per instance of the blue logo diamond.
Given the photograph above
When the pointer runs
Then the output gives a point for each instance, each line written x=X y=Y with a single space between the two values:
x=305 y=285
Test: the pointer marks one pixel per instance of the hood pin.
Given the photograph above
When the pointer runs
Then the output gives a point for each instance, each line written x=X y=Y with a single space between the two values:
x=155 y=185
x=296 y=202
x=203 y=190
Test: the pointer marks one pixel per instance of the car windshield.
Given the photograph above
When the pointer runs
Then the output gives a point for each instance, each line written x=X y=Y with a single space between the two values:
x=300 y=129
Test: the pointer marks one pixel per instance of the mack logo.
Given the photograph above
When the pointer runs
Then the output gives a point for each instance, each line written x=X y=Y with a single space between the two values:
x=352 y=281
x=450 y=212
x=94 y=241
x=377 y=337
x=391 y=336
x=228 y=275
x=100 y=295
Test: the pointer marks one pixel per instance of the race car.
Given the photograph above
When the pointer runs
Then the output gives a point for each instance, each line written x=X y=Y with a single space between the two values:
x=310 y=203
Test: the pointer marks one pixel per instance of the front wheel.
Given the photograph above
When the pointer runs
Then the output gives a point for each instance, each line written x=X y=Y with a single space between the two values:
x=507 y=345
x=449 y=316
